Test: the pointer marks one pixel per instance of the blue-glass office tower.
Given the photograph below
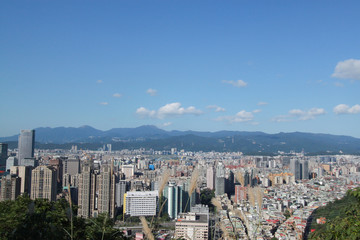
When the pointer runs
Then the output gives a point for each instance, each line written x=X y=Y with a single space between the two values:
x=26 y=145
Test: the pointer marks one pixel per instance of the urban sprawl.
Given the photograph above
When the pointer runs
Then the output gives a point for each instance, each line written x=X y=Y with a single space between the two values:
x=254 y=197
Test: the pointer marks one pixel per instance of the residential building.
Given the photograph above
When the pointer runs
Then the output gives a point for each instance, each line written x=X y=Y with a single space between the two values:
x=24 y=173
x=10 y=187
x=193 y=225
x=210 y=178
x=43 y=183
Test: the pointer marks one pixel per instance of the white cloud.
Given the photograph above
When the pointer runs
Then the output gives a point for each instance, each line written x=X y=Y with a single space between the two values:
x=262 y=103
x=345 y=109
x=104 y=103
x=348 y=69
x=168 y=110
x=281 y=118
x=151 y=92
x=242 y=116
x=143 y=112
x=117 y=95
x=298 y=114
x=167 y=124
x=307 y=115
x=217 y=108
x=238 y=83
x=99 y=81
x=256 y=111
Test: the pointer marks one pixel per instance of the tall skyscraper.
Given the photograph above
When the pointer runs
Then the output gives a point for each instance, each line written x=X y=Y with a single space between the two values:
x=26 y=145
x=295 y=168
x=220 y=179
x=210 y=178
x=86 y=197
x=106 y=191
x=304 y=166
x=43 y=183
x=3 y=156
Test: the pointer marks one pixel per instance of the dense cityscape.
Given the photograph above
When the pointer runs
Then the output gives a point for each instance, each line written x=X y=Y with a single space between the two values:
x=191 y=195
x=179 y=120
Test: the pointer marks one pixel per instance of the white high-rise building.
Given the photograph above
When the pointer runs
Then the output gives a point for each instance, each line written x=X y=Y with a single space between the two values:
x=210 y=178
x=141 y=203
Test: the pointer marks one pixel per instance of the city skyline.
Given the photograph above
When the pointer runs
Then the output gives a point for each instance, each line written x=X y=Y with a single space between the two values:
x=202 y=66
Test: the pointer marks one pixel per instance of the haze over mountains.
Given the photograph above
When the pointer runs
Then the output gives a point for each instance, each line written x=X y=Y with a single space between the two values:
x=152 y=137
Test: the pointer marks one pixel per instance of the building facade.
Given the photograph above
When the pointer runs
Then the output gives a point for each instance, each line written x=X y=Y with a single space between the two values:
x=43 y=183
x=10 y=187
x=141 y=203
x=26 y=145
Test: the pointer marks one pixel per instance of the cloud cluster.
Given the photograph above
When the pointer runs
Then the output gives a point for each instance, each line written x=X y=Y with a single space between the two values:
x=345 y=109
x=238 y=83
x=151 y=92
x=262 y=103
x=217 y=108
x=348 y=69
x=99 y=81
x=300 y=115
x=167 y=124
x=242 y=116
x=117 y=95
x=104 y=103
x=307 y=115
x=168 y=110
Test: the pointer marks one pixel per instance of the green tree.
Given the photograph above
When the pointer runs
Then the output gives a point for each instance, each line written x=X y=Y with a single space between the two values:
x=41 y=219
x=205 y=197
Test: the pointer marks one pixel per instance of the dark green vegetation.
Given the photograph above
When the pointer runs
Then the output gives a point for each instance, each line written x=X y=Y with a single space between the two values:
x=40 y=219
x=342 y=219
x=250 y=143
x=205 y=198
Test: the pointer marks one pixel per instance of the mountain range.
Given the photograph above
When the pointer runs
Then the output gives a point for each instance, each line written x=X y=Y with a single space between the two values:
x=152 y=137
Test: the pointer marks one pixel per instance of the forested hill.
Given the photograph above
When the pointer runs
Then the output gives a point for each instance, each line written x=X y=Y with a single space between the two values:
x=152 y=137
x=342 y=219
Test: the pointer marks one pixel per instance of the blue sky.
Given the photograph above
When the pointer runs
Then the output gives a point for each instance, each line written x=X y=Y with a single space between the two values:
x=271 y=66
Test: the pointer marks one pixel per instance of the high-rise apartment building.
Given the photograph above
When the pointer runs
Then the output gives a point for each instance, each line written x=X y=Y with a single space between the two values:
x=210 y=178
x=121 y=188
x=57 y=164
x=43 y=183
x=26 y=145
x=86 y=194
x=141 y=203
x=10 y=187
x=295 y=168
x=106 y=181
x=24 y=173
x=96 y=191
x=71 y=166
x=220 y=179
